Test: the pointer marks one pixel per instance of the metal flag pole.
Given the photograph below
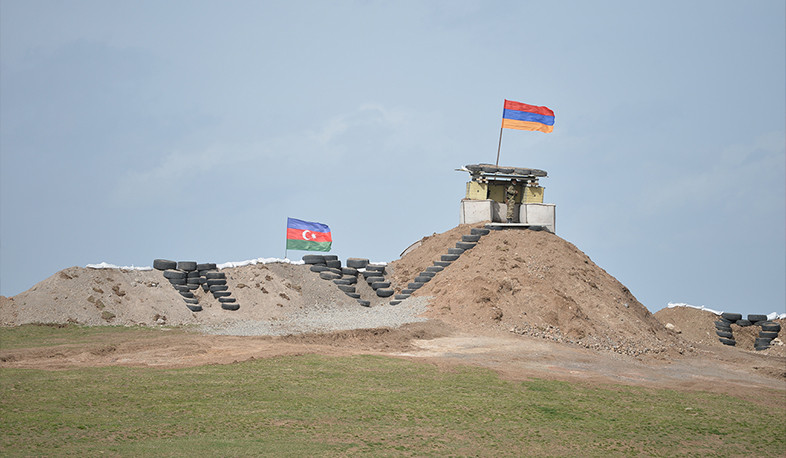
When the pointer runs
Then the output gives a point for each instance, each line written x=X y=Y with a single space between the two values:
x=500 y=135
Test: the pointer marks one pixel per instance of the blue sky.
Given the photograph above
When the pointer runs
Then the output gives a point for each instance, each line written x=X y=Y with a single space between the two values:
x=190 y=130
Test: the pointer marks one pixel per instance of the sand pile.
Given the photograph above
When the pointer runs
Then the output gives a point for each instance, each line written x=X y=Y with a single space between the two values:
x=513 y=281
x=534 y=283
x=127 y=297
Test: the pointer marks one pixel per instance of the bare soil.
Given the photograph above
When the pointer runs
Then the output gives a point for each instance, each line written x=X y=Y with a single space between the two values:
x=526 y=304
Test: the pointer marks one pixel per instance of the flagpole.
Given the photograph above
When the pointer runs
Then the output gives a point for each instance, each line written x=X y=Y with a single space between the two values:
x=499 y=145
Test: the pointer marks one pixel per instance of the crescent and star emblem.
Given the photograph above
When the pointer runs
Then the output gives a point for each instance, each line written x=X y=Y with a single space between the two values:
x=306 y=235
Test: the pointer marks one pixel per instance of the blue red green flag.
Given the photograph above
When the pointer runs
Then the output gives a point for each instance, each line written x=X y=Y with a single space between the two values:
x=308 y=236
x=517 y=115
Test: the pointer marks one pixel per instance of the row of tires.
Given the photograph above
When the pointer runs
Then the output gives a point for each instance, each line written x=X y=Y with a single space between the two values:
x=768 y=329
x=187 y=276
x=467 y=243
x=345 y=278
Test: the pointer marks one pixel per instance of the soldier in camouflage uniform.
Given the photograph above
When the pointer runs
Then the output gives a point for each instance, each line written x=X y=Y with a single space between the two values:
x=510 y=199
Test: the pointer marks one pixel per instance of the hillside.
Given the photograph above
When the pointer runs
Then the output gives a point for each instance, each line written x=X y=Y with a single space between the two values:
x=512 y=282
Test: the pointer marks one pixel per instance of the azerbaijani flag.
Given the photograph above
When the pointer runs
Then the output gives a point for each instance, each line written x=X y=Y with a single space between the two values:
x=517 y=115
x=308 y=236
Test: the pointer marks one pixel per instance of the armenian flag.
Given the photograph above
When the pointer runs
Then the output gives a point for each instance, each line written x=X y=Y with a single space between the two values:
x=308 y=236
x=521 y=116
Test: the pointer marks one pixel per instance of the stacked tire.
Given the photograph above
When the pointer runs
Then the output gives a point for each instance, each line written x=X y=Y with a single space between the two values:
x=723 y=328
x=329 y=268
x=183 y=276
x=375 y=277
x=216 y=282
x=768 y=331
x=466 y=243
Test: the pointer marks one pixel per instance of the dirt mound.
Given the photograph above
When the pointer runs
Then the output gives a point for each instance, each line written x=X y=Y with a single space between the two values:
x=131 y=297
x=534 y=283
x=698 y=326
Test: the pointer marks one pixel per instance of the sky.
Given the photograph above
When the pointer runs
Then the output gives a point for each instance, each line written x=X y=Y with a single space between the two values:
x=191 y=130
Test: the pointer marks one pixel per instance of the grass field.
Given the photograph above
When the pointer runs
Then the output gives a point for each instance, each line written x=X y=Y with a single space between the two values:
x=365 y=405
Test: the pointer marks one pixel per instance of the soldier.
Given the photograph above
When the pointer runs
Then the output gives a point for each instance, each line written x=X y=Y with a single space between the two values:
x=510 y=198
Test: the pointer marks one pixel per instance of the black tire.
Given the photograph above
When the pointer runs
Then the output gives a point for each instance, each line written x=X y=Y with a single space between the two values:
x=181 y=287
x=193 y=274
x=329 y=276
x=768 y=335
x=335 y=271
x=330 y=257
x=401 y=297
x=354 y=295
x=215 y=275
x=434 y=269
x=218 y=294
x=364 y=303
x=427 y=274
x=334 y=264
x=380 y=284
x=192 y=286
x=771 y=326
x=341 y=281
x=178 y=274
x=722 y=326
x=194 y=307
x=318 y=268
x=755 y=318
x=479 y=231
x=415 y=285
x=205 y=288
x=217 y=281
x=230 y=305
x=407 y=291
x=456 y=250
x=442 y=264
x=214 y=288
x=352 y=280
x=726 y=334
x=195 y=280
x=743 y=323
x=470 y=238
x=731 y=316
x=760 y=342
x=206 y=266
x=465 y=245
x=349 y=271
x=314 y=259
x=422 y=279
x=188 y=266
x=346 y=288
x=178 y=281
x=226 y=299
x=448 y=257
x=370 y=273
x=376 y=268
x=385 y=292
x=191 y=300
x=187 y=294
x=164 y=264
x=357 y=263
x=371 y=280
x=395 y=302
x=730 y=342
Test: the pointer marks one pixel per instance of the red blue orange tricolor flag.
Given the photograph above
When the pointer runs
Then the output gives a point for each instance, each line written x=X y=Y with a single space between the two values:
x=517 y=115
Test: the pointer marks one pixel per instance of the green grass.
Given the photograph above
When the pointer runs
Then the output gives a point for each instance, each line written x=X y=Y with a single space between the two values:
x=45 y=335
x=363 y=405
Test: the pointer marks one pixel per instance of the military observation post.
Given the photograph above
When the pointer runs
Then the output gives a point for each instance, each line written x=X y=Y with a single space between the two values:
x=485 y=198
